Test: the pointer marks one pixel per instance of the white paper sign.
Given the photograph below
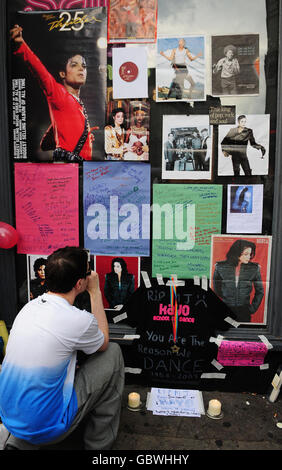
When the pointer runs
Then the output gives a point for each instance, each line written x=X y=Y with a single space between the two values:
x=174 y=402
x=130 y=73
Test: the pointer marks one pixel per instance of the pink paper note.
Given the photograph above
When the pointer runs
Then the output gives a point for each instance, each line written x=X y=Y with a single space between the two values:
x=47 y=206
x=241 y=353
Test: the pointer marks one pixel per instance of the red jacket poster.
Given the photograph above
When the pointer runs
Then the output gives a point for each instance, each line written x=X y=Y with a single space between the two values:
x=58 y=85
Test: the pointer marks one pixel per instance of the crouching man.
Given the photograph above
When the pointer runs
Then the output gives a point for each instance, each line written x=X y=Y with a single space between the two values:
x=43 y=395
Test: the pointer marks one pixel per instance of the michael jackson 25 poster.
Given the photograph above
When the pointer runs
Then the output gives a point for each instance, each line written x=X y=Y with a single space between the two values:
x=58 y=85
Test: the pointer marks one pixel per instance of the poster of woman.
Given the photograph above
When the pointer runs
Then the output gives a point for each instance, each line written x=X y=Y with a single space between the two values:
x=58 y=84
x=240 y=274
x=119 y=277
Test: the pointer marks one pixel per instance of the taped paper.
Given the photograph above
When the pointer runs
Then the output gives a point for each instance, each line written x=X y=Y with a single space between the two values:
x=196 y=281
x=232 y=322
x=211 y=375
x=120 y=317
x=264 y=366
x=241 y=353
x=146 y=279
x=132 y=370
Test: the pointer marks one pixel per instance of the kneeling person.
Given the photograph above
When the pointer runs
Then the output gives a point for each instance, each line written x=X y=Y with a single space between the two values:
x=43 y=397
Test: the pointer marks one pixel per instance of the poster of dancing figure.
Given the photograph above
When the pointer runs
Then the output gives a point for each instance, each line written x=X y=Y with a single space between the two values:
x=57 y=86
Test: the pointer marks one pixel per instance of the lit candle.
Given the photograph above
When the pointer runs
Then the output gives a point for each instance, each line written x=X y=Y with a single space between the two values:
x=134 y=400
x=214 y=408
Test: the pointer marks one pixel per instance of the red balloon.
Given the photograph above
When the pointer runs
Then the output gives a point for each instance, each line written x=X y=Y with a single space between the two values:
x=8 y=236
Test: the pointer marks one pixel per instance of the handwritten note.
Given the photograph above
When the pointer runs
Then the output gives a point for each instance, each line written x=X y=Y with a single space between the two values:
x=184 y=218
x=47 y=208
x=241 y=353
x=116 y=201
x=174 y=402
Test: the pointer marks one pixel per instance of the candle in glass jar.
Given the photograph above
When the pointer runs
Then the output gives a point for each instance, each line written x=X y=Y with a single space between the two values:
x=214 y=408
x=134 y=400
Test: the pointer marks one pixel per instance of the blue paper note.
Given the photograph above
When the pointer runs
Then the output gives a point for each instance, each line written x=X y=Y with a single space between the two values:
x=116 y=206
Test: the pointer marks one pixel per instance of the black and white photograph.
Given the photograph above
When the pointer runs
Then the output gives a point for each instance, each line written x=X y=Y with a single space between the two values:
x=235 y=64
x=187 y=147
x=243 y=149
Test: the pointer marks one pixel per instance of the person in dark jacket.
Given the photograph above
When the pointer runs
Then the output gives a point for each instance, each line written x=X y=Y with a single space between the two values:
x=234 y=279
x=235 y=144
x=170 y=155
x=119 y=283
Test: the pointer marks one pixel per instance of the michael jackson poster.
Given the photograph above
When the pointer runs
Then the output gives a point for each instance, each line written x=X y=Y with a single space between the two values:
x=235 y=65
x=127 y=130
x=58 y=85
x=119 y=277
x=240 y=267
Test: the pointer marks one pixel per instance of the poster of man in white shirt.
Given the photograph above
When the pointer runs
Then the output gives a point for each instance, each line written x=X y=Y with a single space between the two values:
x=180 y=69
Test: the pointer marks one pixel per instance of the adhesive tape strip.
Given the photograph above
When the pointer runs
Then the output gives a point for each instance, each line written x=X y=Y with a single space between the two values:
x=216 y=364
x=215 y=340
x=232 y=322
x=131 y=337
x=213 y=375
x=177 y=283
x=120 y=317
x=146 y=279
x=264 y=366
x=132 y=370
x=160 y=279
x=265 y=341
x=204 y=283
x=197 y=281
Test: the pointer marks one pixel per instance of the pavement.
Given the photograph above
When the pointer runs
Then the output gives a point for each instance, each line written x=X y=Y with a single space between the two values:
x=249 y=422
